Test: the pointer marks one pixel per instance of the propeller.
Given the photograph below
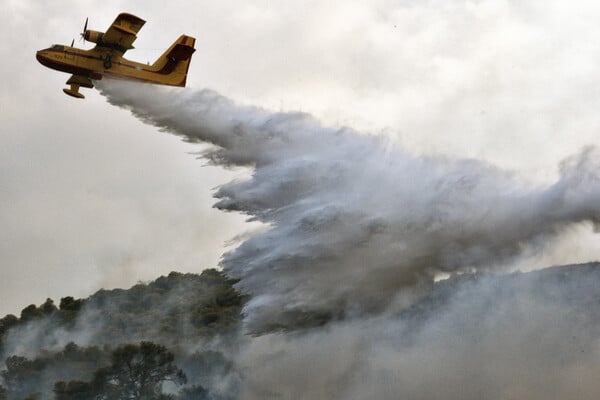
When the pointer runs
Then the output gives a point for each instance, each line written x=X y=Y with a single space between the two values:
x=84 y=29
x=72 y=42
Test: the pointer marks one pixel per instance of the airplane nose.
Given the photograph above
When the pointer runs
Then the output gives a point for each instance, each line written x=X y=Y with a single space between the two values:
x=41 y=57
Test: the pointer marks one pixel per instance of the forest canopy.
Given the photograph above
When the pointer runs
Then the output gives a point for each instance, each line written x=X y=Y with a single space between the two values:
x=163 y=328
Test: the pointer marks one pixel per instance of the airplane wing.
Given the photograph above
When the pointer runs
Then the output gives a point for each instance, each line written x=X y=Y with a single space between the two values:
x=122 y=33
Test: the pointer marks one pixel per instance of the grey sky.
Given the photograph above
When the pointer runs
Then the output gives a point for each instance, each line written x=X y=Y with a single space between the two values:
x=90 y=197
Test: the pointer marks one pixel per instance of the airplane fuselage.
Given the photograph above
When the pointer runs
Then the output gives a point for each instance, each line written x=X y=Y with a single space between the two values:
x=96 y=64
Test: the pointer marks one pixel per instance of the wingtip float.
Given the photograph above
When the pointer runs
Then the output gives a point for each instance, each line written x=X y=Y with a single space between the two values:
x=106 y=59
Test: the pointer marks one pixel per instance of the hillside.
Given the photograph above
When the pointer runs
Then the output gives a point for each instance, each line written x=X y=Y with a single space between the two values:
x=186 y=313
x=193 y=324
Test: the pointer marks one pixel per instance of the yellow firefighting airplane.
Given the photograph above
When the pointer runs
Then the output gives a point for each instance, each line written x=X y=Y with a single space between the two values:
x=106 y=59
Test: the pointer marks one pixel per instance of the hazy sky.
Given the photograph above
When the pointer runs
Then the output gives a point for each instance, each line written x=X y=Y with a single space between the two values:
x=90 y=197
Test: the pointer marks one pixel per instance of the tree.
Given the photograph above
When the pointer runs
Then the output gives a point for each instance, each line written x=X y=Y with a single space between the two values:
x=7 y=322
x=18 y=371
x=138 y=372
x=48 y=308
x=31 y=312
x=70 y=304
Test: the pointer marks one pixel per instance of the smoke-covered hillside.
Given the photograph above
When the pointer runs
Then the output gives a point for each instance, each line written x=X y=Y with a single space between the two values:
x=339 y=287
x=196 y=318
x=521 y=335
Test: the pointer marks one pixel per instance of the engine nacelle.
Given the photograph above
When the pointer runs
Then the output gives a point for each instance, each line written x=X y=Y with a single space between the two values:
x=93 y=36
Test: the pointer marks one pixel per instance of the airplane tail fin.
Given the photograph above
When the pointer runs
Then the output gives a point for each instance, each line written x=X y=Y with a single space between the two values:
x=175 y=61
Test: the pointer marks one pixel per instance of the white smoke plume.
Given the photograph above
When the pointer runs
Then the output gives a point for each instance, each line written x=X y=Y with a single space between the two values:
x=532 y=336
x=356 y=224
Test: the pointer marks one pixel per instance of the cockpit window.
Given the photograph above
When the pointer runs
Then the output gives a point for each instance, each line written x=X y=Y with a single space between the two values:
x=58 y=47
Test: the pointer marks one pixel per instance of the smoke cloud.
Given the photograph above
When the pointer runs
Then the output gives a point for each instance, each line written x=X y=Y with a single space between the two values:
x=522 y=336
x=356 y=225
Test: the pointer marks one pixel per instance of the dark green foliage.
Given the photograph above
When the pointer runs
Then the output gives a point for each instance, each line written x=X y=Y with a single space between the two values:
x=5 y=324
x=70 y=304
x=174 y=312
x=138 y=372
x=48 y=308
x=128 y=372
x=23 y=376
x=31 y=312
x=77 y=362
x=60 y=317
x=174 y=308
x=135 y=372
x=171 y=310
x=19 y=371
